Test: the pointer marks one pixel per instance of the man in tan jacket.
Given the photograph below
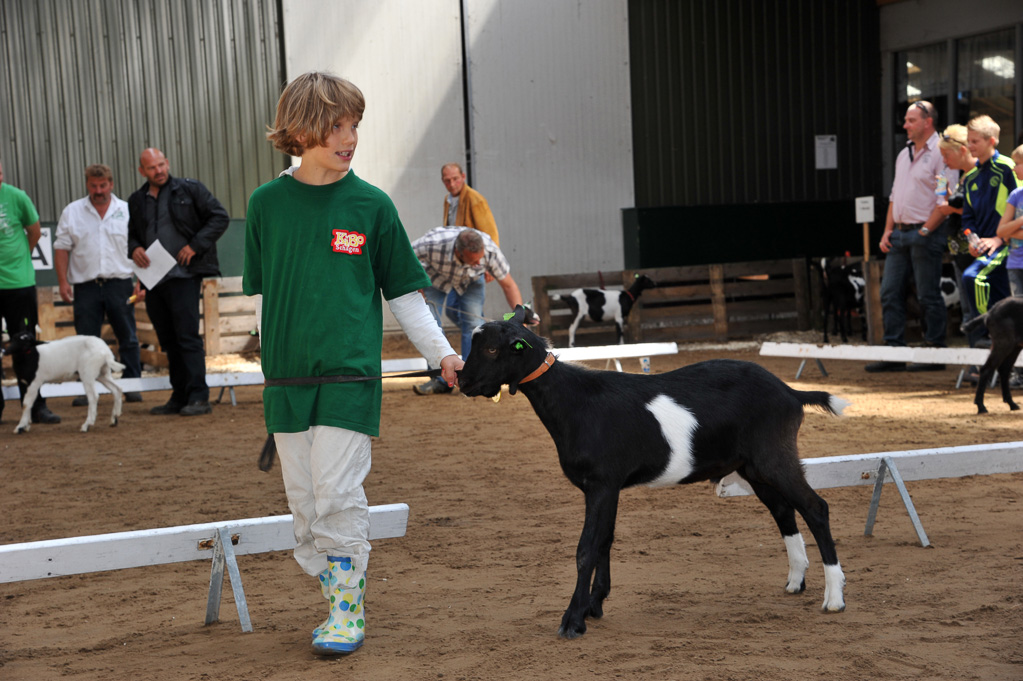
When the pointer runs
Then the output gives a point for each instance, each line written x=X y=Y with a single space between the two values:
x=464 y=206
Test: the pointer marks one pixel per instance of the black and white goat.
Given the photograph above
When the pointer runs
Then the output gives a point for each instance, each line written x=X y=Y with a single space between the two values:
x=598 y=305
x=614 y=430
x=1004 y=323
x=842 y=292
x=60 y=360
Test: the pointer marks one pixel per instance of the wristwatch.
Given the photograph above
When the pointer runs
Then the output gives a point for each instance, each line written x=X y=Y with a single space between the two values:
x=925 y=231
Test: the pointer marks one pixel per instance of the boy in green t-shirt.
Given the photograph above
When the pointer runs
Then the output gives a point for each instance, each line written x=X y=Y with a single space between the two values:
x=321 y=245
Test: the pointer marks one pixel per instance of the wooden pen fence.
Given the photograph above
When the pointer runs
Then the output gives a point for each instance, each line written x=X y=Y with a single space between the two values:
x=702 y=302
x=227 y=321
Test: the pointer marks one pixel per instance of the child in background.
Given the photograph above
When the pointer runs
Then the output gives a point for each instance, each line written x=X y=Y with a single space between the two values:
x=1010 y=228
x=321 y=245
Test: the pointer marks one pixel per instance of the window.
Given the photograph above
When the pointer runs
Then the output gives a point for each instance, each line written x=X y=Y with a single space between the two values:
x=922 y=73
x=985 y=82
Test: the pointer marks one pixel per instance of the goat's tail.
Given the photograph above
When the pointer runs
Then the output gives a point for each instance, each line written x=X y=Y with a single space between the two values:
x=824 y=401
x=114 y=365
x=975 y=322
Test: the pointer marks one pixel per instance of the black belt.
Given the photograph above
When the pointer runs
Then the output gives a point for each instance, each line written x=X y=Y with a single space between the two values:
x=100 y=280
x=321 y=380
x=906 y=227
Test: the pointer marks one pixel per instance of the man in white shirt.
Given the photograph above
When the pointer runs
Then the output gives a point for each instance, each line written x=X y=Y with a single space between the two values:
x=90 y=253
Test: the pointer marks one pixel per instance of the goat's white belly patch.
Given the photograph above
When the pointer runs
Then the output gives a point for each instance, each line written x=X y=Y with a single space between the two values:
x=677 y=426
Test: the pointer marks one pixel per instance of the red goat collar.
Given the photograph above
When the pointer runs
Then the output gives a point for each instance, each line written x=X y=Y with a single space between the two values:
x=630 y=295
x=540 y=370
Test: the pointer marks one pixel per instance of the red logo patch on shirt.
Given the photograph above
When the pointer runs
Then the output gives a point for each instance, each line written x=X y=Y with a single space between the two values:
x=348 y=242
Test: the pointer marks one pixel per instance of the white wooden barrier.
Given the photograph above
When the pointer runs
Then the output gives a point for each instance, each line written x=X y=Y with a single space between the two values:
x=919 y=464
x=614 y=353
x=224 y=381
x=221 y=541
x=877 y=353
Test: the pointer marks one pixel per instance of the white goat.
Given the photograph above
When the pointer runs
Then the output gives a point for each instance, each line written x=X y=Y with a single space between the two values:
x=60 y=360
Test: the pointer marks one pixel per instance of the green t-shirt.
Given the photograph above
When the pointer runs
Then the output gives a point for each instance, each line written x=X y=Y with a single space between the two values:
x=16 y=213
x=321 y=256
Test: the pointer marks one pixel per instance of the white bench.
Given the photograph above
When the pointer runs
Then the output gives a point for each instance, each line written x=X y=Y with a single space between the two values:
x=224 y=381
x=614 y=353
x=918 y=464
x=221 y=541
x=877 y=353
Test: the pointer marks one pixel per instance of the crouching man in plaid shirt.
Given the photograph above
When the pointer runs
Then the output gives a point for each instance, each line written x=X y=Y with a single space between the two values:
x=457 y=259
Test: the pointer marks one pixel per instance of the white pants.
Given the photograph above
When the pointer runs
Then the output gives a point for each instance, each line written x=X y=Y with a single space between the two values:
x=323 y=470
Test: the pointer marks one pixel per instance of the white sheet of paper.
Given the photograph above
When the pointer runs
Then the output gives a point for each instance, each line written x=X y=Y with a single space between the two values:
x=160 y=263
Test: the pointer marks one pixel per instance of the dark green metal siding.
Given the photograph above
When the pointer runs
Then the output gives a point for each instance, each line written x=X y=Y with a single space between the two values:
x=728 y=96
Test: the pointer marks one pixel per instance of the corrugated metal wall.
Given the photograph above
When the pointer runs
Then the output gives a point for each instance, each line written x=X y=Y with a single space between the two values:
x=96 y=82
x=728 y=96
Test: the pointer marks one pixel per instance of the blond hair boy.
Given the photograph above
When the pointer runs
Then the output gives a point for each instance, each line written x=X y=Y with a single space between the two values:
x=321 y=246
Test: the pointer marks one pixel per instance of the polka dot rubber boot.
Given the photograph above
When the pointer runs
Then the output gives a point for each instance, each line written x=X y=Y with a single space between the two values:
x=345 y=628
x=325 y=590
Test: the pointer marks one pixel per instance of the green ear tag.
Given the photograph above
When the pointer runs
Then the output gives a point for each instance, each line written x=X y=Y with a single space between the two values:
x=508 y=315
x=518 y=345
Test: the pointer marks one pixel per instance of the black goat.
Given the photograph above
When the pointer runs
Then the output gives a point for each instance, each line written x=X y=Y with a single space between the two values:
x=842 y=292
x=614 y=430
x=1004 y=323
x=599 y=305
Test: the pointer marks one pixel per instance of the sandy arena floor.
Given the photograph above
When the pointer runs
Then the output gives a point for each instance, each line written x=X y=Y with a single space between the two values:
x=476 y=588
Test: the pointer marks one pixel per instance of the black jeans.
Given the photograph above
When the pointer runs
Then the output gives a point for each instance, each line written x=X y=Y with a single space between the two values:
x=93 y=300
x=173 y=308
x=19 y=308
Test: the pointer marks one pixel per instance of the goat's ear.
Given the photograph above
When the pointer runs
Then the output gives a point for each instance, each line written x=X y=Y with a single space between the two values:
x=518 y=316
x=519 y=344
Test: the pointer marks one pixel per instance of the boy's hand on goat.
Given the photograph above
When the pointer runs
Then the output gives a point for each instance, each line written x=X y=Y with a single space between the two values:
x=449 y=366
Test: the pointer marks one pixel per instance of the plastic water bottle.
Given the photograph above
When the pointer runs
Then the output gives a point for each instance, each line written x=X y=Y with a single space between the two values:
x=941 y=190
x=972 y=238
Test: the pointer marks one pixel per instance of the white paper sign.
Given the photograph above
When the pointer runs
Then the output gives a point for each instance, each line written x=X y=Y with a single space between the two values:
x=827 y=152
x=42 y=254
x=160 y=263
x=864 y=209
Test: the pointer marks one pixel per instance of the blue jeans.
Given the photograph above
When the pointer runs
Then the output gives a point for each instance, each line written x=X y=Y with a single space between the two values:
x=1016 y=282
x=93 y=301
x=921 y=256
x=465 y=310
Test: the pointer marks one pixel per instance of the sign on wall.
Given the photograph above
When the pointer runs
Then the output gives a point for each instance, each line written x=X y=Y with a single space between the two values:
x=42 y=254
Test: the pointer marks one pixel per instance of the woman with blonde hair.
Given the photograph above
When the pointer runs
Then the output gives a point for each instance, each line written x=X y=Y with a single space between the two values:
x=956 y=153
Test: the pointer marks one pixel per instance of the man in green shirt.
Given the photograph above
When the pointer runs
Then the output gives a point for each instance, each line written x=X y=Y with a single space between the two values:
x=19 y=234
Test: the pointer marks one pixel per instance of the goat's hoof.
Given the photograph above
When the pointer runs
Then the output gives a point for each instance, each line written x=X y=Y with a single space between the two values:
x=571 y=630
x=833 y=608
x=85 y=428
x=20 y=430
x=797 y=588
x=981 y=409
x=113 y=422
x=596 y=610
x=1013 y=406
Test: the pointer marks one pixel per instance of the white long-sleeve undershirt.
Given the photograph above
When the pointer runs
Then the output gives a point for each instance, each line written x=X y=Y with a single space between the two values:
x=418 y=323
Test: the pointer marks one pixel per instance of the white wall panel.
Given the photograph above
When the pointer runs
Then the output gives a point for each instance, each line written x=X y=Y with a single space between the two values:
x=550 y=88
x=552 y=128
x=406 y=59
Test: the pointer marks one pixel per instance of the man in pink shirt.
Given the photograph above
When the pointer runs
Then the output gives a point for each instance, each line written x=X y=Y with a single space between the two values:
x=914 y=238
